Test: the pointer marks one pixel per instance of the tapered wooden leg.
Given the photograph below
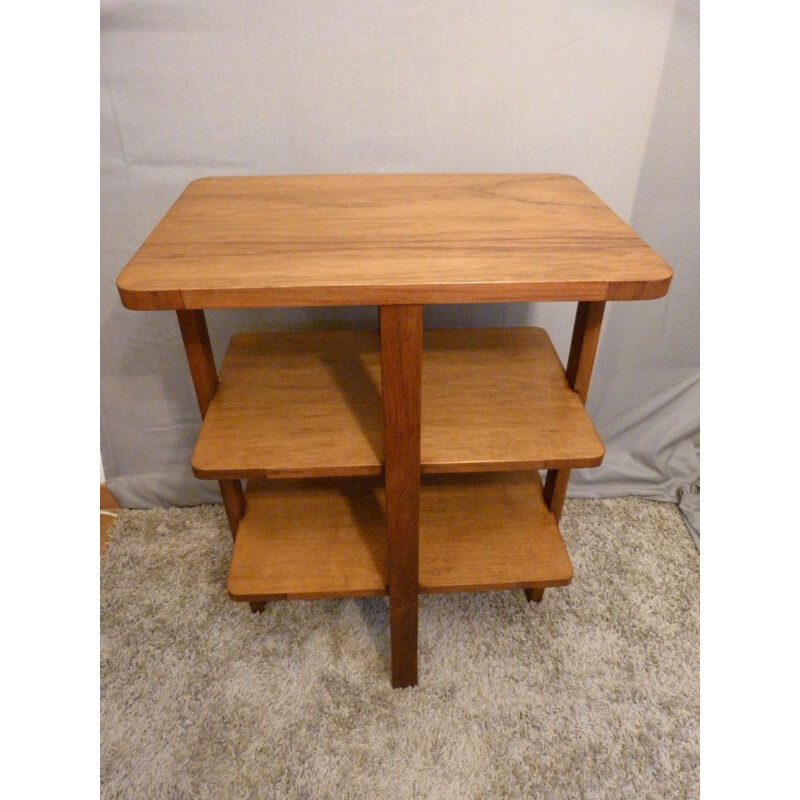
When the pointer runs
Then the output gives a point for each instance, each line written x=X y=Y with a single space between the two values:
x=197 y=344
x=258 y=606
x=582 y=351
x=401 y=378
x=534 y=595
x=233 y=500
x=555 y=490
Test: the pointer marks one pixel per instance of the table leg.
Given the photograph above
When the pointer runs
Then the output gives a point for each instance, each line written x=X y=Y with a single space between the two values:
x=583 y=348
x=534 y=595
x=582 y=351
x=401 y=378
x=197 y=344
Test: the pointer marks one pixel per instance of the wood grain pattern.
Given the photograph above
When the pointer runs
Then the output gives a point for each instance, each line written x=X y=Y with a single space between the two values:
x=489 y=530
x=356 y=404
x=583 y=348
x=295 y=405
x=401 y=383
x=498 y=399
x=388 y=239
x=309 y=404
x=315 y=538
x=310 y=539
x=197 y=345
x=582 y=352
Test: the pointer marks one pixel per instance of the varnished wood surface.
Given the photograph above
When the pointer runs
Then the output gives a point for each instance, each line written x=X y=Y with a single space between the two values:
x=488 y=531
x=498 y=399
x=317 y=538
x=309 y=404
x=295 y=404
x=582 y=353
x=107 y=500
x=200 y=357
x=310 y=539
x=401 y=381
x=534 y=595
x=583 y=348
x=388 y=239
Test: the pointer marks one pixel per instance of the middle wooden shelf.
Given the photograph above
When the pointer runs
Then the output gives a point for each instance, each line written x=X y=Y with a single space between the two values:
x=291 y=405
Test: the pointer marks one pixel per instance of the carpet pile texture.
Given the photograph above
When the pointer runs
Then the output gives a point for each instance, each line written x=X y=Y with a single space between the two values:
x=594 y=693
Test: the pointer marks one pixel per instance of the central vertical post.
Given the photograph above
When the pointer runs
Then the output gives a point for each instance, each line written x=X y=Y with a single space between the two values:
x=401 y=379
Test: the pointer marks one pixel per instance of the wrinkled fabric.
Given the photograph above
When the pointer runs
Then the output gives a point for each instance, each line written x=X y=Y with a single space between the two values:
x=606 y=91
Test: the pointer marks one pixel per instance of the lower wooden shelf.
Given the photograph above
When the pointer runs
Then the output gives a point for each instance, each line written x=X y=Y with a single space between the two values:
x=318 y=538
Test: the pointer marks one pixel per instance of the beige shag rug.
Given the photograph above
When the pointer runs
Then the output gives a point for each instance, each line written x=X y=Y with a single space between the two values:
x=592 y=694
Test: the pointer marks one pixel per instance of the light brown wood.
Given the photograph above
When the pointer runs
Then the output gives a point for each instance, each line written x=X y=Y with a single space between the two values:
x=401 y=383
x=488 y=531
x=294 y=405
x=388 y=239
x=317 y=538
x=497 y=399
x=309 y=404
x=310 y=539
x=583 y=349
x=107 y=500
x=197 y=344
x=233 y=500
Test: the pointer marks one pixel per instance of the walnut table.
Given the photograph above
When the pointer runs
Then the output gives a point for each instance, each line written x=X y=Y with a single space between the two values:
x=400 y=460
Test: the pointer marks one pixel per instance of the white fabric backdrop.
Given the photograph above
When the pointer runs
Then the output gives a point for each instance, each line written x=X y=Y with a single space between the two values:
x=603 y=89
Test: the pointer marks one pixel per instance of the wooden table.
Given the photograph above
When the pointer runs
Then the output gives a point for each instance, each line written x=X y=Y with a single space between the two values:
x=401 y=460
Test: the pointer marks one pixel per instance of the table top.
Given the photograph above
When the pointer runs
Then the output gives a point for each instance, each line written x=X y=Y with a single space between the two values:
x=307 y=240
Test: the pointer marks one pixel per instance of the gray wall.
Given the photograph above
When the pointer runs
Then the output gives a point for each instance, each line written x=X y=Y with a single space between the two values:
x=603 y=89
